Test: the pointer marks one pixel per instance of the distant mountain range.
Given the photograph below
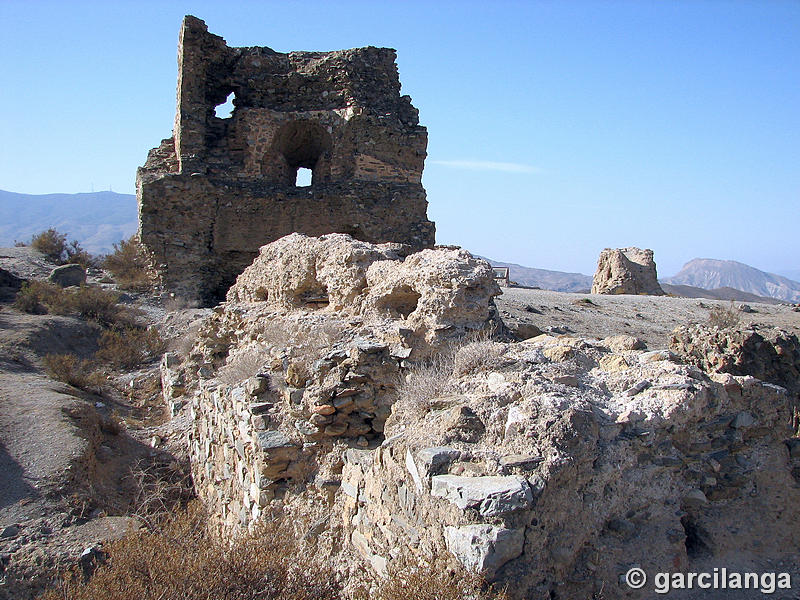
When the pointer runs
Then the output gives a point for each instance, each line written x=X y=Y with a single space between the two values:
x=97 y=220
x=545 y=279
x=699 y=278
x=708 y=273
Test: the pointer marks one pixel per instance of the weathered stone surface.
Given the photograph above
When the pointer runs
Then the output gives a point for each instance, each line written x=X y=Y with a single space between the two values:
x=490 y=496
x=67 y=275
x=434 y=460
x=432 y=292
x=220 y=188
x=484 y=548
x=567 y=455
x=626 y=271
x=769 y=354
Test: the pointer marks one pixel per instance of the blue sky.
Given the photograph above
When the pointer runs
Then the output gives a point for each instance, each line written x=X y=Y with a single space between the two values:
x=555 y=128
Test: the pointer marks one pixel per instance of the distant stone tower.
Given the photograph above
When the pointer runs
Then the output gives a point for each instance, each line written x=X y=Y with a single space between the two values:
x=220 y=188
x=626 y=271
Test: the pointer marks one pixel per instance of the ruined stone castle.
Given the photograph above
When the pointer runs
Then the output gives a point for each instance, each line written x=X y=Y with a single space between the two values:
x=220 y=188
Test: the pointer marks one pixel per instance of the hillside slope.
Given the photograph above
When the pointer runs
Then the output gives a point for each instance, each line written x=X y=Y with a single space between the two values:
x=558 y=281
x=96 y=219
x=710 y=274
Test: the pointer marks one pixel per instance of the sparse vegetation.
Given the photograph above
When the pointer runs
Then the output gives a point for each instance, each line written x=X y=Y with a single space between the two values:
x=54 y=245
x=476 y=356
x=183 y=559
x=724 y=317
x=159 y=493
x=436 y=580
x=95 y=304
x=433 y=377
x=129 y=347
x=128 y=265
x=72 y=370
x=305 y=342
x=89 y=302
x=243 y=365
x=38 y=297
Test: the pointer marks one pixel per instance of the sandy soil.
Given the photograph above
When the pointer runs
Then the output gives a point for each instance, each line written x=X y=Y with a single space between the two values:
x=650 y=318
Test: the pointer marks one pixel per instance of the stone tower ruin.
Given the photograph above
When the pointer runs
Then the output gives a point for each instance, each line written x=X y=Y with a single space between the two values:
x=220 y=188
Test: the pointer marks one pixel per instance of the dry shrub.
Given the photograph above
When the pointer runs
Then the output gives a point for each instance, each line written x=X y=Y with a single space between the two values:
x=89 y=302
x=434 y=377
x=182 y=560
x=128 y=264
x=724 y=317
x=53 y=244
x=35 y=297
x=73 y=370
x=244 y=365
x=437 y=580
x=129 y=347
x=159 y=491
x=473 y=357
x=96 y=304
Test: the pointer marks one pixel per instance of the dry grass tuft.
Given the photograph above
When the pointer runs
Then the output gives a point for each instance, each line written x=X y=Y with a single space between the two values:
x=724 y=317
x=473 y=357
x=437 y=580
x=244 y=365
x=183 y=560
x=434 y=377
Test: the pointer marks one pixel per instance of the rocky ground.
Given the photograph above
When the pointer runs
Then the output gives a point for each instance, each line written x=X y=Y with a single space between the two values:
x=71 y=460
x=553 y=464
x=650 y=318
x=573 y=433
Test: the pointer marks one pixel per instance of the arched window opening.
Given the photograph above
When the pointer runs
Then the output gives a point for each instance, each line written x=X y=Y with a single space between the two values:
x=225 y=110
x=304 y=148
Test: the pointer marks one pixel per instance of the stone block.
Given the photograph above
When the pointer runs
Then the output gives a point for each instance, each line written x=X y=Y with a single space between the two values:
x=490 y=496
x=484 y=548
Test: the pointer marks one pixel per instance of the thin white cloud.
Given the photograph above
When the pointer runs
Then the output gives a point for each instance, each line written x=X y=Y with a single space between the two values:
x=487 y=165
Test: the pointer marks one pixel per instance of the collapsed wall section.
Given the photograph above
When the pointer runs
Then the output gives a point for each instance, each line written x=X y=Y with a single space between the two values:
x=220 y=188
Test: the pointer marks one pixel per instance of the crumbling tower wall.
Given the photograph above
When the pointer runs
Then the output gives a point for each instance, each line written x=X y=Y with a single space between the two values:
x=220 y=188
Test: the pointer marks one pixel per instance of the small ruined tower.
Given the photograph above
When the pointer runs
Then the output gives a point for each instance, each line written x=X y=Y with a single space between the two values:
x=626 y=271
x=221 y=187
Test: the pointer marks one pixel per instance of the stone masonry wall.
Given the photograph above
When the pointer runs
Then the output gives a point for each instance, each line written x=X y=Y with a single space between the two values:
x=220 y=188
